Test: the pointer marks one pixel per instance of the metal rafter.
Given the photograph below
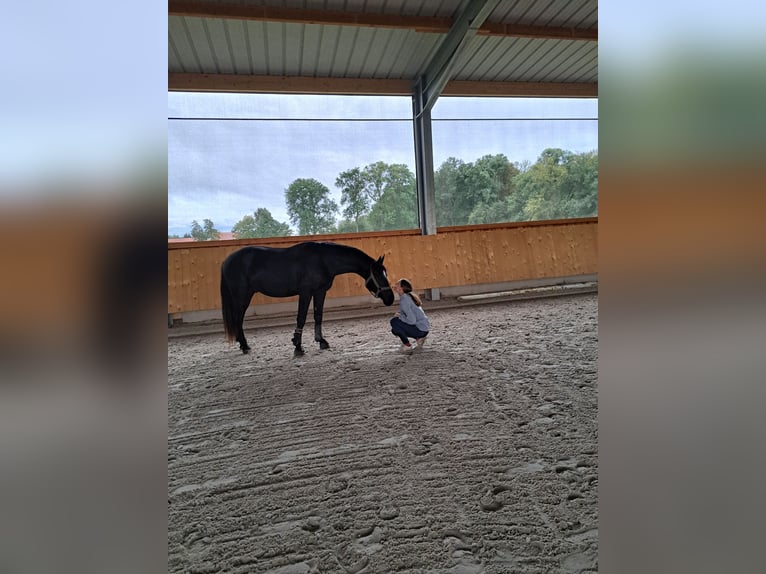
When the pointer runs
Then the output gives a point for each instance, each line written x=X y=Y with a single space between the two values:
x=426 y=90
x=437 y=72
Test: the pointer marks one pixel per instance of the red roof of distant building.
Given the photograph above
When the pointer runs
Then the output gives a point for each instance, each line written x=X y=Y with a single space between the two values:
x=223 y=236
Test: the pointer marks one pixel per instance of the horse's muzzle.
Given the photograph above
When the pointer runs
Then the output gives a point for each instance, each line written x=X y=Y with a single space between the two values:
x=378 y=288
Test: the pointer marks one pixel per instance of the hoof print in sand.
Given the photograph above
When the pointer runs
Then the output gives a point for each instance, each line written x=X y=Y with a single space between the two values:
x=349 y=561
x=490 y=502
x=312 y=524
x=337 y=484
x=388 y=512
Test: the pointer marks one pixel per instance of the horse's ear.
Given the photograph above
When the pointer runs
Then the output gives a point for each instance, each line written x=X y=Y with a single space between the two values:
x=380 y=259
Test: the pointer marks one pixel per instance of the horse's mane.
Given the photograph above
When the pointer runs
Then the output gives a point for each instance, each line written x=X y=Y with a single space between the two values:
x=347 y=248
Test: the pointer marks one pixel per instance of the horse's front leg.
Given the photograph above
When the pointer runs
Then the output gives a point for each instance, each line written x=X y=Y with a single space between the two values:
x=318 y=309
x=303 y=308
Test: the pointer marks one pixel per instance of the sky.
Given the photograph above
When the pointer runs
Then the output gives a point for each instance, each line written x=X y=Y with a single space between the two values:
x=223 y=169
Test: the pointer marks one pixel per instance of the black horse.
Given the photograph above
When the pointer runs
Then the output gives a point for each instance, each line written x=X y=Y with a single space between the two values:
x=306 y=269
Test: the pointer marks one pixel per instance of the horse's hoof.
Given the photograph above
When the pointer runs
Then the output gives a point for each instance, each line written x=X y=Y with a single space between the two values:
x=324 y=345
x=298 y=353
x=246 y=351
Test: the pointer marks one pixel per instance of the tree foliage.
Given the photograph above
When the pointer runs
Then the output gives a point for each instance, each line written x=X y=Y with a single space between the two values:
x=559 y=185
x=353 y=196
x=205 y=232
x=260 y=224
x=310 y=207
x=396 y=206
x=381 y=196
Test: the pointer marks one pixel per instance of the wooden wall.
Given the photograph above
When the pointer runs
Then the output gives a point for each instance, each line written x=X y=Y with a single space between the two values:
x=455 y=256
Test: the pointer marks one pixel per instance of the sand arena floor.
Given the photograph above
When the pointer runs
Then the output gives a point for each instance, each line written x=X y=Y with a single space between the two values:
x=478 y=454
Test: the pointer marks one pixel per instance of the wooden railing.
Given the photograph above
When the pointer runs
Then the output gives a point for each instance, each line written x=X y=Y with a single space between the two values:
x=454 y=256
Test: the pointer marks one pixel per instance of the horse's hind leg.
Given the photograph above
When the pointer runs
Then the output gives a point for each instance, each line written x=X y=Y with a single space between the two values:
x=319 y=297
x=303 y=308
x=241 y=330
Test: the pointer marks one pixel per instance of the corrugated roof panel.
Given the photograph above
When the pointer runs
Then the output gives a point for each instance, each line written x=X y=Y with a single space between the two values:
x=549 y=14
x=376 y=55
x=334 y=5
x=258 y=51
x=402 y=61
x=360 y=48
x=379 y=57
x=572 y=55
x=585 y=17
x=221 y=45
x=237 y=42
x=568 y=13
x=510 y=46
x=197 y=29
x=327 y=47
x=293 y=49
x=524 y=49
x=182 y=41
x=443 y=9
x=536 y=64
x=542 y=70
x=570 y=62
x=275 y=38
x=341 y=53
x=478 y=58
x=536 y=10
x=424 y=52
x=174 y=58
x=312 y=37
x=584 y=69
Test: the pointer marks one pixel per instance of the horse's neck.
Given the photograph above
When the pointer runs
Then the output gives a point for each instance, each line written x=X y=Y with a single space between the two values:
x=353 y=261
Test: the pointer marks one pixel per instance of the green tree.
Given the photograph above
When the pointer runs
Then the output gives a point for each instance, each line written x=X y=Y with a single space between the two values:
x=494 y=212
x=260 y=224
x=446 y=191
x=487 y=183
x=207 y=232
x=474 y=192
x=579 y=190
x=310 y=207
x=351 y=226
x=353 y=195
x=559 y=185
x=396 y=206
x=375 y=180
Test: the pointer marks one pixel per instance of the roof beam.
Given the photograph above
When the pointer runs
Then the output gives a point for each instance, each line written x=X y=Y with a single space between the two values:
x=438 y=71
x=470 y=88
x=397 y=21
x=242 y=83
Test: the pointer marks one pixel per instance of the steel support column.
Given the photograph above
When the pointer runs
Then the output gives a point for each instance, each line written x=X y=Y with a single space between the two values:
x=424 y=162
x=425 y=92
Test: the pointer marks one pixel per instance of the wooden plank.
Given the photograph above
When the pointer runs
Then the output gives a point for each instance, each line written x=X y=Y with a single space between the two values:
x=469 y=255
x=260 y=84
x=423 y=24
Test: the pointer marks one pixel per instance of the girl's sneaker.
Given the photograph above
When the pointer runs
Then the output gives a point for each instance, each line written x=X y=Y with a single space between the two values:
x=405 y=348
x=420 y=342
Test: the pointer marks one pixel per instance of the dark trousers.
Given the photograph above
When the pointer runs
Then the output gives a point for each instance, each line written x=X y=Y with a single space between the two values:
x=404 y=330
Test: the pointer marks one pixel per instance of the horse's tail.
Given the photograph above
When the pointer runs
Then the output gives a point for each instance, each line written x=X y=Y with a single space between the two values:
x=228 y=306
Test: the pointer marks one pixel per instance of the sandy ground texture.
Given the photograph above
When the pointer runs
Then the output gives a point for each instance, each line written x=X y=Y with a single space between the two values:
x=476 y=454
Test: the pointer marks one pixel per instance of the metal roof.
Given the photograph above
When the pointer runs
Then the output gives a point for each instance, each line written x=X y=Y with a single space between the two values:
x=524 y=47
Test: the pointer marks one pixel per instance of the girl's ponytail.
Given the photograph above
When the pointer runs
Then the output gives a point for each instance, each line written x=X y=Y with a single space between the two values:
x=407 y=288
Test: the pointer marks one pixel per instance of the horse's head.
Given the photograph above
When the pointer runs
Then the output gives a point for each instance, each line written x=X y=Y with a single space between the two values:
x=377 y=282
